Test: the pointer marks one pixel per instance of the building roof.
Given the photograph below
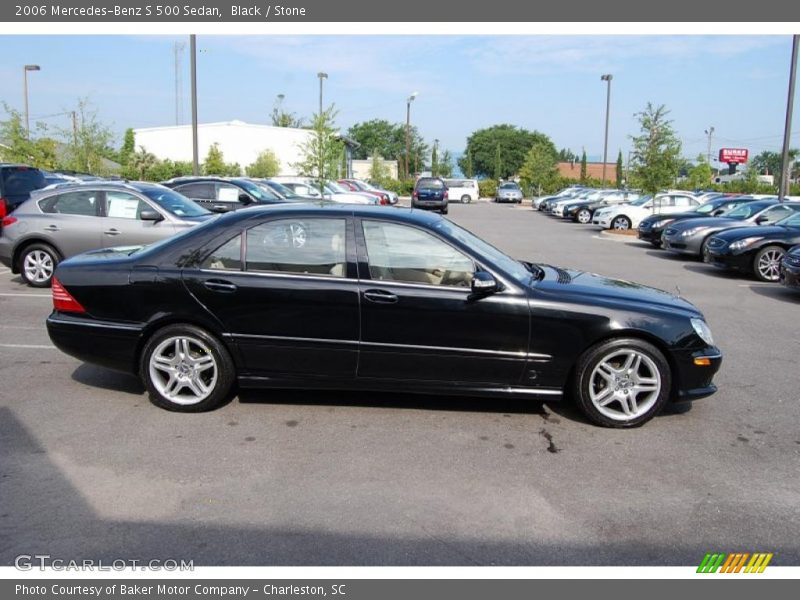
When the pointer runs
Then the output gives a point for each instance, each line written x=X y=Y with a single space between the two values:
x=594 y=170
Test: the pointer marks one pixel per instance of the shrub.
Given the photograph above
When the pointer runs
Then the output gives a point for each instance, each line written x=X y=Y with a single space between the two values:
x=487 y=188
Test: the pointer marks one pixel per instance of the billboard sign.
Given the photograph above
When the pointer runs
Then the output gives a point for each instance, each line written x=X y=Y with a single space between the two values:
x=733 y=155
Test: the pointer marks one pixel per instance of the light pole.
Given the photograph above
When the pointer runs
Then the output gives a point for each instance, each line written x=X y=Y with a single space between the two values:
x=25 y=92
x=709 y=132
x=435 y=158
x=787 y=131
x=193 y=60
x=409 y=100
x=607 y=78
x=321 y=76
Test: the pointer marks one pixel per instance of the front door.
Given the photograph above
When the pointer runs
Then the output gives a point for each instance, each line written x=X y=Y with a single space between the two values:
x=418 y=319
x=123 y=225
x=286 y=293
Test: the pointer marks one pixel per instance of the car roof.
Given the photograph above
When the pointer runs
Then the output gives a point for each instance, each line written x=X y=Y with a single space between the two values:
x=138 y=186
x=412 y=215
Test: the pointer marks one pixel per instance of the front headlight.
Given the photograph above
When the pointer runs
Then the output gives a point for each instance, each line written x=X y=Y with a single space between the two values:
x=744 y=243
x=702 y=329
x=691 y=231
x=662 y=223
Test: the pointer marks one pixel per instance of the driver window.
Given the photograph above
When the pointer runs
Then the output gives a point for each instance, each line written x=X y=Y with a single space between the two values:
x=402 y=253
x=123 y=205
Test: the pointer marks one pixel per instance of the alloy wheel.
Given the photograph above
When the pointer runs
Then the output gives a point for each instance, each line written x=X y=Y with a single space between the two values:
x=625 y=384
x=621 y=224
x=183 y=370
x=38 y=266
x=584 y=216
x=769 y=264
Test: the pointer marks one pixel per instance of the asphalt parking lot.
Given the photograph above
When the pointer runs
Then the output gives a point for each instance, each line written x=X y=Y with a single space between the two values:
x=89 y=469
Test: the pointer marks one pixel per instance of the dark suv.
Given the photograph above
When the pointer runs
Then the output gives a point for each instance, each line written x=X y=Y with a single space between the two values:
x=224 y=194
x=430 y=193
x=16 y=184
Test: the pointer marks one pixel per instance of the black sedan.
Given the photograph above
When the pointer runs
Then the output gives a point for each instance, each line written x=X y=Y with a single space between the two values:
x=651 y=228
x=790 y=269
x=755 y=250
x=224 y=194
x=350 y=297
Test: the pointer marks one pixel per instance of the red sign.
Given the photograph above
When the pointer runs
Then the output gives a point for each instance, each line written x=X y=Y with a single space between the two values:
x=733 y=155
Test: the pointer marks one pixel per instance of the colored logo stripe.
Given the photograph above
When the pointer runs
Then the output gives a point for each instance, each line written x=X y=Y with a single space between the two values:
x=734 y=562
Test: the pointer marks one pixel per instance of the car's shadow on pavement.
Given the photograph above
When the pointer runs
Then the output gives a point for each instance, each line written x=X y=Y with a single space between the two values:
x=776 y=292
x=712 y=271
x=106 y=379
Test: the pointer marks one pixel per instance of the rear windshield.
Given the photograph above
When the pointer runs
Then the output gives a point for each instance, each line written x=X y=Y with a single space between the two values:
x=18 y=181
x=435 y=184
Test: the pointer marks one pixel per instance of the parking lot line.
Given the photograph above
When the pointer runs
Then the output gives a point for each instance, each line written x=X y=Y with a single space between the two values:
x=29 y=346
x=20 y=295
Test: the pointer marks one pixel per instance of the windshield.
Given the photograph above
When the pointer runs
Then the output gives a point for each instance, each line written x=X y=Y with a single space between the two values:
x=744 y=211
x=258 y=192
x=281 y=189
x=336 y=188
x=178 y=204
x=509 y=186
x=513 y=267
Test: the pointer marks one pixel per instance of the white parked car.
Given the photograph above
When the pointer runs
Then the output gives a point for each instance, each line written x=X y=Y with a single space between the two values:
x=331 y=190
x=629 y=215
x=462 y=190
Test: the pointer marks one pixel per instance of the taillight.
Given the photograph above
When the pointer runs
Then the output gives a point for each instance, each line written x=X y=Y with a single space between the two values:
x=8 y=221
x=384 y=201
x=445 y=194
x=3 y=208
x=414 y=193
x=63 y=300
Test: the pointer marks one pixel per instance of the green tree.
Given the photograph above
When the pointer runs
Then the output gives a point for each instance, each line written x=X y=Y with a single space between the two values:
x=281 y=118
x=539 y=171
x=770 y=163
x=656 y=155
x=36 y=150
x=467 y=167
x=700 y=174
x=128 y=147
x=265 y=165
x=444 y=164
x=139 y=164
x=566 y=155
x=510 y=142
x=214 y=164
x=321 y=152
x=378 y=171
x=89 y=145
x=584 y=169
x=619 y=170
x=388 y=139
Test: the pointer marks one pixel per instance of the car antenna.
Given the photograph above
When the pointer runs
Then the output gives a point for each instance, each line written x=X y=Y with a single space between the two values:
x=680 y=295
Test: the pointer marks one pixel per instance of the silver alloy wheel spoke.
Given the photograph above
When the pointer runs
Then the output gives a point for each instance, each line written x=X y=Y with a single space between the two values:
x=769 y=265
x=38 y=266
x=183 y=369
x=625 y=384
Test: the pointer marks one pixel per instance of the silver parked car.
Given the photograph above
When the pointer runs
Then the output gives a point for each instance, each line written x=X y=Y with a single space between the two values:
x=69 y=219
x=508 y=191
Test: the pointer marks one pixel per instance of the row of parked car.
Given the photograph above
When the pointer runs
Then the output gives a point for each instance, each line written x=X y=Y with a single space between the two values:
x=46 y=217
x=754 y=234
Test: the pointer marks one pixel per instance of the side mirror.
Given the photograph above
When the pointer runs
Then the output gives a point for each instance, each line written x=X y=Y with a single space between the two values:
x=717 y=212
x=151 y=215
x=760 y=220
x=245 y=199
x=483 y=284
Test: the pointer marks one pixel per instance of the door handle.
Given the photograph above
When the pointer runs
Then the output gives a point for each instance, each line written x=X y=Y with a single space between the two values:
x=219 y=285
x=380 y=296
x=111 y=231
x=51 y=228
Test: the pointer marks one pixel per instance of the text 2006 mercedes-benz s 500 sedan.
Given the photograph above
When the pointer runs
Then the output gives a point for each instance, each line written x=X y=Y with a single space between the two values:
x=341 y=296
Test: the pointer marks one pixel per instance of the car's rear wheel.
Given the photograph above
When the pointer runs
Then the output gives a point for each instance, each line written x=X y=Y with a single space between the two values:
x=186 y=370
x=621 y=223
x=444 y=210
x=465 y=199
x=37 y=264
x=622 y=382
x=584 y=216
x=767 y=263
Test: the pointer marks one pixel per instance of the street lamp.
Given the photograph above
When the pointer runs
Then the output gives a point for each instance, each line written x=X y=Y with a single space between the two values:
x=193 y=69
x=321 y=76
x=409 y=100
x=25 y=92
x=709 y=132
x=435 y=158
x=607 y=78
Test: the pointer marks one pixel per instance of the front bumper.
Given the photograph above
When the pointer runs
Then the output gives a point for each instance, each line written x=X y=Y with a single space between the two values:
x=509 y=199
x=603 y=221
x=790 y=275
x=725 y=259
x=693 y=380
x=649 y=235
x=679 y=245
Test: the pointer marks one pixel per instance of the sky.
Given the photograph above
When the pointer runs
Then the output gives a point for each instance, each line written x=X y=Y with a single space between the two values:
x=737 y=84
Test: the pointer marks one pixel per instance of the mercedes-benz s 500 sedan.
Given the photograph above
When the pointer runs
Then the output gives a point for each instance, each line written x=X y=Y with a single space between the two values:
x=343 y=296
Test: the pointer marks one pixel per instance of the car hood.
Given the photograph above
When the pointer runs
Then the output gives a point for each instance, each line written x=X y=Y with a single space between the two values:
x=509 y=192
x=595 y=288
x=716 y=222
x=771 y=231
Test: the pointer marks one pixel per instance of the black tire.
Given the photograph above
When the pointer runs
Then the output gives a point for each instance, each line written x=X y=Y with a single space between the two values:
x=583 y=385
x=225 y=375
x=772 y=255
x=621 y=223
x=655 y=243
x=444 y=210
x=43 y=254
x=704 y=257
x=583 y=216
x=466 y=199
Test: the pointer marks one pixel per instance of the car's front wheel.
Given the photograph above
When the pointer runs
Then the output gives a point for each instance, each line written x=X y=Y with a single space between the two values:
x=622 y=382
x=767 y=263
x=37 y=264
x=621 y=223
x=444 y=210
x=186 y=370
x=584 y=216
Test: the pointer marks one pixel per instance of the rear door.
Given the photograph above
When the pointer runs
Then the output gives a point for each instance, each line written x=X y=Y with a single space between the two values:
x=202 y=192
x=122 y=224
x=286 y=293
x=71 y=221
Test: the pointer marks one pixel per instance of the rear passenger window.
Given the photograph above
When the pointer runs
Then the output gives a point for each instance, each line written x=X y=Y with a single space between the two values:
x=299 y=246
x=227 y=257
x=71 y=203
x=200 y=191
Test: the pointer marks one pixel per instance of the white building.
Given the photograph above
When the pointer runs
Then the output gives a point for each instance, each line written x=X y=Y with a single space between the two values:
x=361 y=168
x=239 y=142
